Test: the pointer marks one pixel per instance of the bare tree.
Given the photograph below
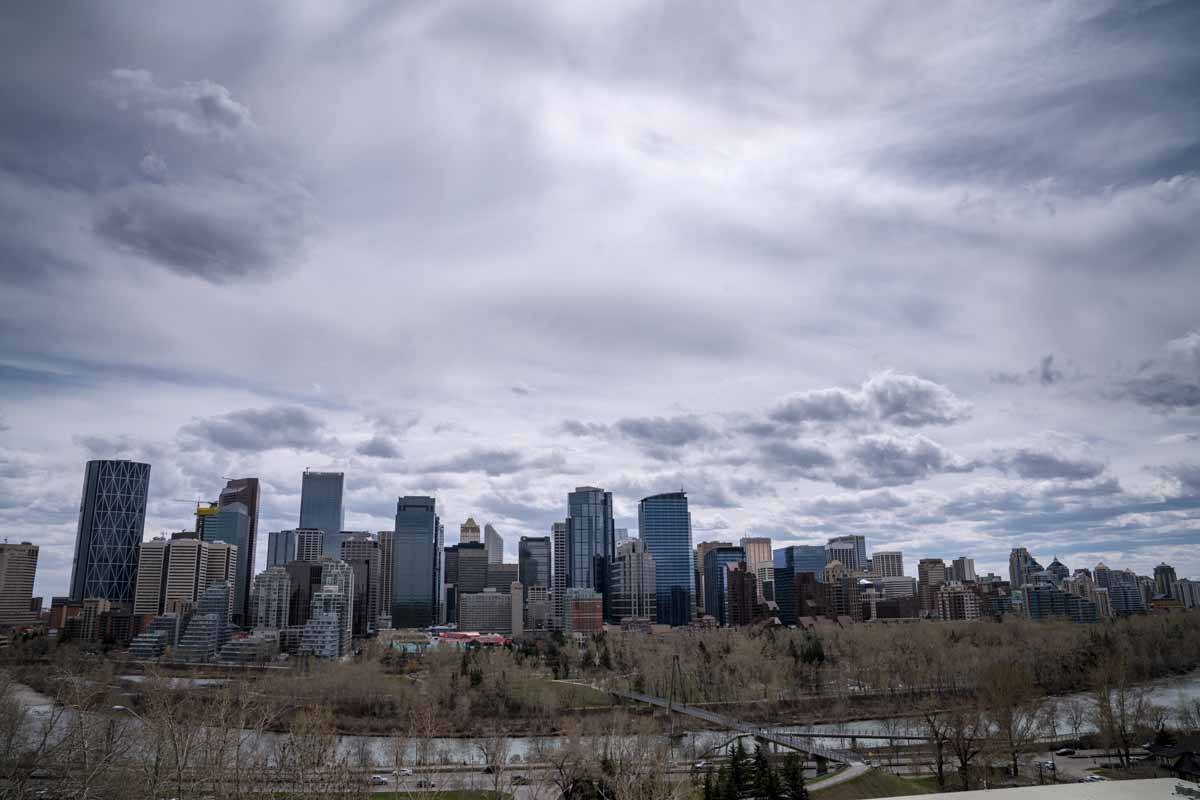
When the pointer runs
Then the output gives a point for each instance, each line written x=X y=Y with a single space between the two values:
x=936 y=728
x=494 y=748
x=1121 y=709
x=1013 y=708
x=967 y=734
x=1076 y=710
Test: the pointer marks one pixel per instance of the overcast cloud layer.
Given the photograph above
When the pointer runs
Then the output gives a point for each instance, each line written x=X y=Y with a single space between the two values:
x=923 y=272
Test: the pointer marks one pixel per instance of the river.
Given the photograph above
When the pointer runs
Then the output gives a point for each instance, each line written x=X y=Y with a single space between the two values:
x=690 y=746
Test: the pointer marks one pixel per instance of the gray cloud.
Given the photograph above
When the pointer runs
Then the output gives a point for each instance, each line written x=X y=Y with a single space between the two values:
x=257 y=429
x=883 y=500
x=1046 y=463
x=379 y=446
x=496 y=461
x=812 y=461
x=1171 y=383
x=886 y=460
x=201 y=108
x=664 y=433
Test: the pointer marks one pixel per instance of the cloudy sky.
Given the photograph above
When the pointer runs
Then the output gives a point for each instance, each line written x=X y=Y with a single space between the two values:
x=924 y=272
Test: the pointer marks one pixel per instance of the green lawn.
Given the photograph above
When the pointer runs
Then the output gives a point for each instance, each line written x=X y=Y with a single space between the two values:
x=874 y=783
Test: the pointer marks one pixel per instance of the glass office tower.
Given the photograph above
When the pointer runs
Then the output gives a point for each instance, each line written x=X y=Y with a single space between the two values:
x=321 y=508
x=416 y=564
x=231 y=525
x=533 y=561
x=591 y=545
x=112 y=515
x=665 y=525
x=715 y=588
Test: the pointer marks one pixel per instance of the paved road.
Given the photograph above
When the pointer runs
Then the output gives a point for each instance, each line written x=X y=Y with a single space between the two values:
x=848 y=774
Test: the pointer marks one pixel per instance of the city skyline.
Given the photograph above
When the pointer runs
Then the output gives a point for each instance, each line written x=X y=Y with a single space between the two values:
x=933 y=284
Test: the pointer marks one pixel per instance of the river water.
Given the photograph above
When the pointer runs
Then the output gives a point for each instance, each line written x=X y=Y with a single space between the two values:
x=691 y=745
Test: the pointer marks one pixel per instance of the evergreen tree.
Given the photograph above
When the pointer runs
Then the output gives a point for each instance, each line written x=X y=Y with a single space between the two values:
x=739 y=769
x=710 y=791
x=766 y=780
x=793 y=778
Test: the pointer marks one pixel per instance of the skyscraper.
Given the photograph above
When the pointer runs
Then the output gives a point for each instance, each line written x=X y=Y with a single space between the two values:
x=850 y=550
x=887 y=563
x=700 y=579
x=321 y=507
x=590 y=539
x=244 y=491
x=633 y=582
x=758 y=549
x=495 y=545
x=715 y=588
x=361 y=552
x=962 y=569
x=18 y=566
x=416 y=564
x=1164 y=576
x=387 y=544
x=272 y=593
x=533 y=561
x=468 y=531
x=931 y=574
x=558 y=535
x=665 y=526
x=232 y=525
x=281 y=548
x=151 y=577
x=1019 y=567
x=112 y=514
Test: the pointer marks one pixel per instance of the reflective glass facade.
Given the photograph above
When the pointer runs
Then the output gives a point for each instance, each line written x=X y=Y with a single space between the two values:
x=231 y=525
x=715 y=594
x=416 y=564
x=533 y=561
x=801 y=558
x=590 y=537
x=321 y=508
x=665 y=525
x=112 y=515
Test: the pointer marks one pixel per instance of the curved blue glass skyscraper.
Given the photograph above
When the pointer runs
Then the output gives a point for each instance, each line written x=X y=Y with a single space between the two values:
x=665 y=525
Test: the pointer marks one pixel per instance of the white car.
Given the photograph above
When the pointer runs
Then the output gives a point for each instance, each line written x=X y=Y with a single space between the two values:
x=379 y=780
x=403 y=771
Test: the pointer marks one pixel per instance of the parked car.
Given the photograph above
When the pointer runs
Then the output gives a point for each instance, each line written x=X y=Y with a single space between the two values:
x=701 y=765
x=402 y=771
x=424 y=784
x=1048 y=765
x=379 y=780
x=519 y=780
x=1065 y=751
x=1093 y=779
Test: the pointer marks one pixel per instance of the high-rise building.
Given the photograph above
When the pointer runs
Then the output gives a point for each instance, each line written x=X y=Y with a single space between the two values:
x=1058 y=571
x=802 y=558
x=272 y=595
x=281 y=548
x=931 y=574
x=620 y=536
x=958 y=602
x=310 y=544
x=417 y=564
x=700 y=580
x=494 y=544
x=321 y=507
x=583 y=612
x=387 y=544
x=558 y=536
x=533 y=561
x=1103 y=576
x=187 y=570
x=471 y=575
x=665 y=526
x=962 y=569
x=715 y=588
x=469 y=531
x=501 y=576
x=1020 y=569
x=151 y=577
x=850 y=550
x=493 y=611
x=758 y=549
x=741 y=594
x=590 y=539
x=232 y=525
x=634 y=593
x=112 y=515
x=18 y=566
x=887 y=563
x=1187 y=592
x=1164 y=576
x=361 y=551
x=244 y=491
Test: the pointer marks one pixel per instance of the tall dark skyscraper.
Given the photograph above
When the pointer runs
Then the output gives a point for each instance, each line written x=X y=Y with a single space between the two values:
x=244 y=491
x=591 y=545
x=416 y=564
x=321 y=507
x=533 y=561
x=665 y=525
x=112 y=516
x=716 y=561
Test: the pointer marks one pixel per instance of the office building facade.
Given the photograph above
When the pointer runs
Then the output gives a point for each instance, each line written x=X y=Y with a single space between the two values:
x=321 y=507
x=887 y=563
x=558 y=537
x=590 y=539
x=232 y=525
x=281 y=548
x=494 y=544
x=533 y=561
x=715 y=589
x=112 y=516
x=665 y=527
x=633 y=582
x=18 y=567
x=416 y=565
